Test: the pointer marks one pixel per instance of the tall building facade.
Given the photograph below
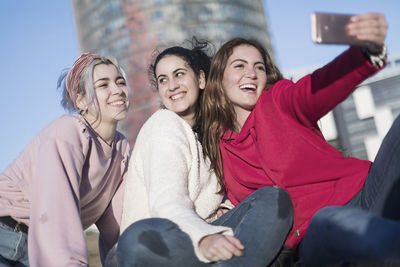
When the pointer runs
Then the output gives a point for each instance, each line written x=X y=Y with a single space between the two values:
x=358 y=125
x=365 y=117
x=130 y=30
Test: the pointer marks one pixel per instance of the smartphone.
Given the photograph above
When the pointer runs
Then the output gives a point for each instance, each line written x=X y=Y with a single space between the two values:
x=329 y=28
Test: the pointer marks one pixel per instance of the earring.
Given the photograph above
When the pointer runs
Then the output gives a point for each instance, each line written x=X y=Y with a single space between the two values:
x=82 y=111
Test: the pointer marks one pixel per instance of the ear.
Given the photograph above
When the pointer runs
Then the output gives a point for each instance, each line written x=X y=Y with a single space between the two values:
x=202 y=80
x=81 y=102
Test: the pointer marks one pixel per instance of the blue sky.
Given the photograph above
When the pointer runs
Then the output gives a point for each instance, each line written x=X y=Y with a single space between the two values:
x=38 y=41
x=289 y=22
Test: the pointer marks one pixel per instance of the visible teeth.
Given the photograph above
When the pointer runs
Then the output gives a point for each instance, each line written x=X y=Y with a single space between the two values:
x=175 y=97
x=248 y=86
x=117 y=103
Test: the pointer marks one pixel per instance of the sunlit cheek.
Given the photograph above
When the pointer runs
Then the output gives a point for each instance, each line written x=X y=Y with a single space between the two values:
x=161 y=92
x=225 y=86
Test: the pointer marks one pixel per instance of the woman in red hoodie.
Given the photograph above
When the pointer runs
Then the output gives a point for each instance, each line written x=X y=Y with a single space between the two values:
x=261 y=130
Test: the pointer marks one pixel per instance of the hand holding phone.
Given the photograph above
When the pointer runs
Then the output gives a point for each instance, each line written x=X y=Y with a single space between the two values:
x=367 y=30
x=330 y=28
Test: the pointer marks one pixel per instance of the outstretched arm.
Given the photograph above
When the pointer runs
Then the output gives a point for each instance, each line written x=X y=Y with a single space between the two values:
x=316 y=94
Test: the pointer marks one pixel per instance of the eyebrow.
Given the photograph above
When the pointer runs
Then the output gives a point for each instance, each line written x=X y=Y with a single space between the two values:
x=175 y=71
x=245 y=61
x=161 y=75
x=179 y=69
x=101 y=79
x=107 y=79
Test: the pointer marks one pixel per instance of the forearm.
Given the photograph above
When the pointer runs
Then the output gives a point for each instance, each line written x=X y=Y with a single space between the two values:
x=316 y=94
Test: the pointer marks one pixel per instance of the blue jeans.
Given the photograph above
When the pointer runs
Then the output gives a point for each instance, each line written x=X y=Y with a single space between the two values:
x=367 y=229
x=261 y=222
x=13 y=247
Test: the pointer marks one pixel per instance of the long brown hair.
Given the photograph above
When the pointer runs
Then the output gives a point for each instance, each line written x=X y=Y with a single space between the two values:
x=218 y=112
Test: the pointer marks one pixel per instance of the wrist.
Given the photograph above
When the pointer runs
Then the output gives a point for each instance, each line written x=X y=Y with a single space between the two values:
x=376 y=56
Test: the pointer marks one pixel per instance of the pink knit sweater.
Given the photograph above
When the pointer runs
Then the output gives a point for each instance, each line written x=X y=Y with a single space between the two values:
x=65 y=180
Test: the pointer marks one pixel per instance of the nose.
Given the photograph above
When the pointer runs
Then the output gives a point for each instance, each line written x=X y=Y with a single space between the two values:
x=251 y=73
x=115 y=89
x=172 y=85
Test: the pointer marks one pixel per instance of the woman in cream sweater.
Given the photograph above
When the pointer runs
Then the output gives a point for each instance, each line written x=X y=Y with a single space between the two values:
x=172 y=198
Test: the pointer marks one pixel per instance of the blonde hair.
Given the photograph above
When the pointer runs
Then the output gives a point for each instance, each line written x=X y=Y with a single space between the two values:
x=78 y=80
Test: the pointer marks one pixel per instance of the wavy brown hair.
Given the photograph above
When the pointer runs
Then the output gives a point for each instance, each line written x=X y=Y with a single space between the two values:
x=218 y=112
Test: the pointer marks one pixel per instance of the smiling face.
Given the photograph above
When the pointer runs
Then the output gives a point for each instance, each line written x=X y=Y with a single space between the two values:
x=178 y=86
x=111 y=94
x=244 y=80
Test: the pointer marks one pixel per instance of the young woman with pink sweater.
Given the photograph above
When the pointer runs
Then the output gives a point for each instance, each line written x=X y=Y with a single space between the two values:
x=69 y=176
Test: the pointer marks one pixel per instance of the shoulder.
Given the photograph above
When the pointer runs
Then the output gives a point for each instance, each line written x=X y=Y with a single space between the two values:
x=276 y=89
x=165 y=128
x=165 y=121
x=64 y=134
x=68 y=122
x=66 y=125
x=165 y=117
x=282 y=84
x=68 y=129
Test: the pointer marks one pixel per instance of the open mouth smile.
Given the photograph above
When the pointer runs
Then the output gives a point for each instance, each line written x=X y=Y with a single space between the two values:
x=248 y=87
x=117 y=103
x=177 y=96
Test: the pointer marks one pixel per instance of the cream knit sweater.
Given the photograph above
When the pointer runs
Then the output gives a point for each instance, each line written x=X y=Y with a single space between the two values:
x=169 y=177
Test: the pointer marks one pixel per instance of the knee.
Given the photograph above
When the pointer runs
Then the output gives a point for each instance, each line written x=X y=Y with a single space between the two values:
x=142 y=241
x=134 y=235
x=274 y=191
x=327 y=216
x=273 y=197
x=323 y=215
x=277 y=193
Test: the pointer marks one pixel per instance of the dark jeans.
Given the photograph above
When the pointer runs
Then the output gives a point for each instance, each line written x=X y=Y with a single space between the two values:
x=367 y=228
x=261 y=222
x=13 y=247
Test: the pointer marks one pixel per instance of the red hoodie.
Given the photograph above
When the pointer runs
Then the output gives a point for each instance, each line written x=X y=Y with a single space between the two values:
x=281 y=144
